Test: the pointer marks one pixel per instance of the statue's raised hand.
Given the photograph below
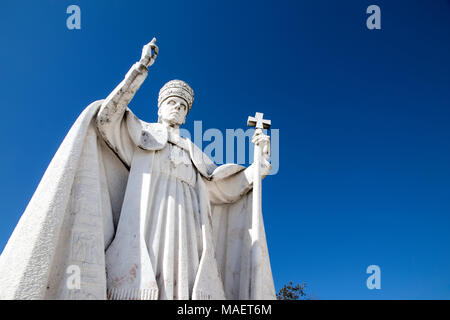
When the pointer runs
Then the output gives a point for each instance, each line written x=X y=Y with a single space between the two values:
x=149 y=53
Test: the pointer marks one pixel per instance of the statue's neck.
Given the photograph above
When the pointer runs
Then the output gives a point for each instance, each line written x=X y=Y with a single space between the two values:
x=172 y=129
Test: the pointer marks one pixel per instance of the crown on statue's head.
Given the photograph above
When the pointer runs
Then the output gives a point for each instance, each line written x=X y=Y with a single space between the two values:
x=176 y=88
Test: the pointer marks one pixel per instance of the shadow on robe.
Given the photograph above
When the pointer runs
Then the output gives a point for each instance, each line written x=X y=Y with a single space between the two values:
x=70 y=222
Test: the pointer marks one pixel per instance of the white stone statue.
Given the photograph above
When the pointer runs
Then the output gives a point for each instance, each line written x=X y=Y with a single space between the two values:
x=131 y=210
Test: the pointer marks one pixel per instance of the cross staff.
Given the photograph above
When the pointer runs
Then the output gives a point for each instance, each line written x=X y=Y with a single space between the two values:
x=256 y=278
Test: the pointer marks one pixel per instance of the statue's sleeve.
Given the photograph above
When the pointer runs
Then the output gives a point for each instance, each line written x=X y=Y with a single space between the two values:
x=111 y=116
x=228 y=183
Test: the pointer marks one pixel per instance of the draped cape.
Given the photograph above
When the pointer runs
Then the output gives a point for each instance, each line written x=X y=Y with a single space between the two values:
x=71 y=221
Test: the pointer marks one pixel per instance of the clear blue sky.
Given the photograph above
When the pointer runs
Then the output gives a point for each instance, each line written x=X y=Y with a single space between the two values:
x=363 y=117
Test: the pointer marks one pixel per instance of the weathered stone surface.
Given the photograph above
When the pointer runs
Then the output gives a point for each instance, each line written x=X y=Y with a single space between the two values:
x=145 y=205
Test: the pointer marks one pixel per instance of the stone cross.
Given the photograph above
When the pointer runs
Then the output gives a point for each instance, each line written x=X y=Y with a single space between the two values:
x=257 y=280
x=258 y=122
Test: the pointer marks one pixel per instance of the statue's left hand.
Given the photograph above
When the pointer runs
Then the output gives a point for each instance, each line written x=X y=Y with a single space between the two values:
x=149 y=53
x=263 y=140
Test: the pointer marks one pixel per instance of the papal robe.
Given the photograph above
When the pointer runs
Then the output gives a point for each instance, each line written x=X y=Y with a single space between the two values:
x=164 y=246
x=138 y=213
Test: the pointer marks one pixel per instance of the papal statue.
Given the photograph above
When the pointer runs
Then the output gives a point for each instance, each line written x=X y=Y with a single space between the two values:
x=132 y=210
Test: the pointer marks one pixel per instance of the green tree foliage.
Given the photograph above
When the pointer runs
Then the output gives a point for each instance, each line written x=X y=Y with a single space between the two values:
x=291 y=292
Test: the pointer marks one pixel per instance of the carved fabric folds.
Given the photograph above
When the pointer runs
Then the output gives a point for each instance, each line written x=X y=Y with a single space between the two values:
x=71 y=220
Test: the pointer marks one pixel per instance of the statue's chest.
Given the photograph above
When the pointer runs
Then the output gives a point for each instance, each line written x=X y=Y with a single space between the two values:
x=176 y=162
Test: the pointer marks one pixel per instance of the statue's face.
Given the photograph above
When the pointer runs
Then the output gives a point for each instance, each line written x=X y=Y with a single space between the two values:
x=173 y=111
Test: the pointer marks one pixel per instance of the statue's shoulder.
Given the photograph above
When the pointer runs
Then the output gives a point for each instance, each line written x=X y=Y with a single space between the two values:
x=146 y=135
x=202 y=162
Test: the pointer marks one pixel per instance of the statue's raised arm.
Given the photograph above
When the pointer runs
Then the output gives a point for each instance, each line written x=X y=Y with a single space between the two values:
x=114 y=106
